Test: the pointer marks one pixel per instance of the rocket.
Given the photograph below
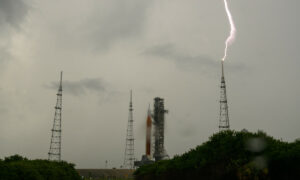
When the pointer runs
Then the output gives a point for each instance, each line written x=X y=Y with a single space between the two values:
x=148 y=134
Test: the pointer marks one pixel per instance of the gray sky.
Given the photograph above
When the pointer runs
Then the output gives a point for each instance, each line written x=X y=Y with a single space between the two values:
x=166 y=48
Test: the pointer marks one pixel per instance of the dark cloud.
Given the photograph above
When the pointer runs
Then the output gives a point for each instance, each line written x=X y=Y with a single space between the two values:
x=12 y=12
x=81 y=87
x=187 y=61
x=125 y=19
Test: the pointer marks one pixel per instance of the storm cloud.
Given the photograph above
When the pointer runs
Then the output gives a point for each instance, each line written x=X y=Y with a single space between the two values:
x=12 y=15
x=187 y=61
x=125 y=19
x=12 y=12
x=81 y=87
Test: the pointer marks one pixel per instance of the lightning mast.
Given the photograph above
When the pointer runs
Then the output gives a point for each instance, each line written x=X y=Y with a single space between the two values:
x=224 y=118
x=129 y=146
x=55 y=145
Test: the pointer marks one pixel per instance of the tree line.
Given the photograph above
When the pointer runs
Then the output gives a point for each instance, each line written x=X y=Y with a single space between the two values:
x=230 y=155
x=17 y=167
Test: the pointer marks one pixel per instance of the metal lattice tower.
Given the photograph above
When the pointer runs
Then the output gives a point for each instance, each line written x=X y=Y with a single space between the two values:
x=129 y=147
x=224 y=118
x=55 y=145
x=159 y=125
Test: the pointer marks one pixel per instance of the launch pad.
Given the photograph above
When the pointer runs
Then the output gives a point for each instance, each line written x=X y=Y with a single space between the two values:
x=158 y=134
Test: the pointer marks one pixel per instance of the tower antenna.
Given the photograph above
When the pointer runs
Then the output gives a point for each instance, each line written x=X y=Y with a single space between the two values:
x=55 y=145
x=224 y=118
x=129 y=146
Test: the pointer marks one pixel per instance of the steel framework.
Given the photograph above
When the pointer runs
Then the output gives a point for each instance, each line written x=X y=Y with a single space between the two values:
x=224 y=118
x=55 y=145
x=159 y=125
x=129 y=146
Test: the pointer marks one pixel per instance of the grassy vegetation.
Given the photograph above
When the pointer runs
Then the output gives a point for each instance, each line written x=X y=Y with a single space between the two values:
x=17 y=167
x=231 y=155
x=110 y=179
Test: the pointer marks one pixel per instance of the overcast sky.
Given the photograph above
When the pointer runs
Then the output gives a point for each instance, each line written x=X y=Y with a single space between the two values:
x=166 y=48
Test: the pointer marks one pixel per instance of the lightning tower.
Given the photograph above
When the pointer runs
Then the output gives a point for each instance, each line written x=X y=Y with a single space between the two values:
x=129 y=146
x=224 y=118
x=55 y=145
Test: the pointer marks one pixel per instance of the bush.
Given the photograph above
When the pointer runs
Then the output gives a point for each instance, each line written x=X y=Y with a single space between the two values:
x=17 y=167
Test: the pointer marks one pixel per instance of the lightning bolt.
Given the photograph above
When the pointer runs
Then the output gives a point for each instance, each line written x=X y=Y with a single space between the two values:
x=231 y=36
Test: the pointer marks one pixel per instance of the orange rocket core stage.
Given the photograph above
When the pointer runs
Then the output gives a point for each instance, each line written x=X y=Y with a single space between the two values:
x=148 y=135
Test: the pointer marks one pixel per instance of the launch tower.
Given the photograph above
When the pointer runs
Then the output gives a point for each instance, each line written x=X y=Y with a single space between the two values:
x=224 y=118
x=159 y=125
x=55 y=145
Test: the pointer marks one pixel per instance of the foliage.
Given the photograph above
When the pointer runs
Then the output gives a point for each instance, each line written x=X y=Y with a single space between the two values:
x=231 y=155
x=17 y=167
